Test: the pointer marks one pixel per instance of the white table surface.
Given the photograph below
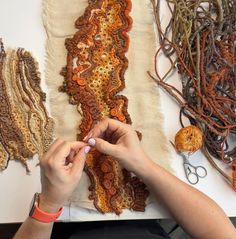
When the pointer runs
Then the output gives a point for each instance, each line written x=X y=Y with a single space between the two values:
x=21 y=26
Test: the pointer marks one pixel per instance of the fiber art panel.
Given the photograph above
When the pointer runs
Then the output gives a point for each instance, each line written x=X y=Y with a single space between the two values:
x=94 y=74
x=25 y=127
x=103 y=63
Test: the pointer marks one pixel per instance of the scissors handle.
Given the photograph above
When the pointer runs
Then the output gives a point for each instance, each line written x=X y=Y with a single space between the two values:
x=191 y=174
x=201 y=171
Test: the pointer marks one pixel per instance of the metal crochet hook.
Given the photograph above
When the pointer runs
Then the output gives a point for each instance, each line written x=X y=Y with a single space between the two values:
x=193 y=173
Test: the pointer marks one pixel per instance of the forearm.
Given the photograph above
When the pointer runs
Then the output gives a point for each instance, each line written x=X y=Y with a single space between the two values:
x=32 y=229
x=199 y=216
x=61 y=169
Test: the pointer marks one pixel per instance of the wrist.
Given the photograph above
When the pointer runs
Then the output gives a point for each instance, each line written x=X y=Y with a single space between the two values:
x=155 y=175
x=145 y=168
x=46 y=206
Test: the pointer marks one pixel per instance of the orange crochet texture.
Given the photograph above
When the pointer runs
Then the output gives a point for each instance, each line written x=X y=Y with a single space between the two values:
x=94 y=74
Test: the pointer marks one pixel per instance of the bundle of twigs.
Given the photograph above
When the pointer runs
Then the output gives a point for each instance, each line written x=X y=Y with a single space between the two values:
x=200 y=41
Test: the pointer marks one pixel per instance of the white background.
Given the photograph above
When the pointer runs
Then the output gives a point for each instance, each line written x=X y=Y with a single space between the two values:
x=21 y=26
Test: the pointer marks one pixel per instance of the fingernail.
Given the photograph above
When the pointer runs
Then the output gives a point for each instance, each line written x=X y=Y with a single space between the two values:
x=92 y=142
x=87 y=149
x=85 y=138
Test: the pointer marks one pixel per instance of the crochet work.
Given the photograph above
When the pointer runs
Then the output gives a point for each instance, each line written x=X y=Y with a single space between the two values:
x=26 y=129
x=94 y=74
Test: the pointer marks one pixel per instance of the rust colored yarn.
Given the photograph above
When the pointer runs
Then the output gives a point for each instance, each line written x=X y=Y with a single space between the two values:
x=200 y=42
x=234 y=175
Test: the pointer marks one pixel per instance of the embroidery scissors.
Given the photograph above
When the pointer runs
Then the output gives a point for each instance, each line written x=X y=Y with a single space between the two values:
x=193 y=173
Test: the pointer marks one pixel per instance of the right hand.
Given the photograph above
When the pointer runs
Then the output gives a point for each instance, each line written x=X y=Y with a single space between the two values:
x=119 y=140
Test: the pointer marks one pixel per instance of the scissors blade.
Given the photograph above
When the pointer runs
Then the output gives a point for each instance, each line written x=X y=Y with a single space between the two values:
x=174 y=146
x=181 y=154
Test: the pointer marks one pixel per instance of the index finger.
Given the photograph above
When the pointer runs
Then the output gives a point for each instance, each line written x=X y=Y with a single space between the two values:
x=64 y=149
x=106 y=126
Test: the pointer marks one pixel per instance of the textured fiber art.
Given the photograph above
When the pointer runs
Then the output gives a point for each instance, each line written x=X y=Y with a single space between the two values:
x=94 y=74
x=25 y=128
x=200 y=42
x=141 y=91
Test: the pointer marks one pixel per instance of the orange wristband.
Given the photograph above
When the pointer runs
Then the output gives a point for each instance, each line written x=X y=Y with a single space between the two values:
x=40 y=215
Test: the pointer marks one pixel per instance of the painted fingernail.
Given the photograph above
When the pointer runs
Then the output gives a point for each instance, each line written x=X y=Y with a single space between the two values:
x=87 y=149
x=92 y=142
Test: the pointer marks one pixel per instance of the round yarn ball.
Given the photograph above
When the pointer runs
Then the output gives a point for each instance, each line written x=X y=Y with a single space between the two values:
x=189 y=139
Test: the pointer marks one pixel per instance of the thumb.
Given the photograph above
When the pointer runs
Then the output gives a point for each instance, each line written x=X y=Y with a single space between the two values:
x=79 y=160
x=103 y=146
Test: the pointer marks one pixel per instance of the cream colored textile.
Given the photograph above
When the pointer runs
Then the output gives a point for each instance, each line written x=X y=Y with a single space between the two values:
x=144 y=104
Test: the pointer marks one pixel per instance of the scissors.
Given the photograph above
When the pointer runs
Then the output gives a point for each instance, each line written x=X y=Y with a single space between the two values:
x=193 y=173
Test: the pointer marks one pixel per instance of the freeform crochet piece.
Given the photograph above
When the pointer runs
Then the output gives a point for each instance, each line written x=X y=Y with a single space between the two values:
x=25 y=128
x=94 y=74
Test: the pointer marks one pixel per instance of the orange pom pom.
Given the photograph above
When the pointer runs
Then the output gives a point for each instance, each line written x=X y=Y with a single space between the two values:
x=189 y=139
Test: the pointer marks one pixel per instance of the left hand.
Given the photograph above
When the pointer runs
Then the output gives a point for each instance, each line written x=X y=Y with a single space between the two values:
x=61 y=170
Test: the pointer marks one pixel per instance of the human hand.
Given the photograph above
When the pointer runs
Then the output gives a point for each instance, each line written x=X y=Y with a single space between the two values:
x=119 y=140
x=61 y=169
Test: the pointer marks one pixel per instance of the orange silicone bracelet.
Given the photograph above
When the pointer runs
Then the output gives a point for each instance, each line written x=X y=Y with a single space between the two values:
x=42 y=216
